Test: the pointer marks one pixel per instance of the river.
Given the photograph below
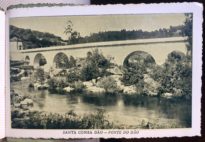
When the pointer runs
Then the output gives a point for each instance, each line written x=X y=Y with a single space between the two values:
x=120 y=109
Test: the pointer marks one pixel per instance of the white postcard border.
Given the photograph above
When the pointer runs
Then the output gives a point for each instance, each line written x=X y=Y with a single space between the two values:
x=2 y=72
x=194 y=8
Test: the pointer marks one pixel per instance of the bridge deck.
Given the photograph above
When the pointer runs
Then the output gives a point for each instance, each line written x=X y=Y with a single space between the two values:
x=108 y=43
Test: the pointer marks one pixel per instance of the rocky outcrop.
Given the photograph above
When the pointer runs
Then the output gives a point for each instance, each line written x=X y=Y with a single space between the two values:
x=91 y=87
x=150 y=85
x=68 y=89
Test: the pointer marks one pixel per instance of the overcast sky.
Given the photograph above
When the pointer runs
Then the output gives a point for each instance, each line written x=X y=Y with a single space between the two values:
x=86 y=25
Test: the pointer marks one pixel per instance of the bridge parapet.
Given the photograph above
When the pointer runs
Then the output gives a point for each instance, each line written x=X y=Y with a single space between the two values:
x=108 y=44
x=158 y=48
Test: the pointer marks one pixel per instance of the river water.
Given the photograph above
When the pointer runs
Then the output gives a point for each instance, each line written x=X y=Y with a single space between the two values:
x=120 y=109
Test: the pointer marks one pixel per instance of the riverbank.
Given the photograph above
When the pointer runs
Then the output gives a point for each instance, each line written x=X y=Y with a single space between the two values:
x=139 y=111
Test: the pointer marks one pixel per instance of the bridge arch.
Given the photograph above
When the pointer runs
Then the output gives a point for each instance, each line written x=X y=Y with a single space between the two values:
x=138 y=57
x=39 y=60
x=61 y=60
x=27 y=59
x=176 y=56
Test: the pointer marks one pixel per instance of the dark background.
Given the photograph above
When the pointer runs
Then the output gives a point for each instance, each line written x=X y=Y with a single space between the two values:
x=173 y=139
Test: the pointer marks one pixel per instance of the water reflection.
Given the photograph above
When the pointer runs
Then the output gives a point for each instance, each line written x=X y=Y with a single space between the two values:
x=119 y=108
x=100 y=100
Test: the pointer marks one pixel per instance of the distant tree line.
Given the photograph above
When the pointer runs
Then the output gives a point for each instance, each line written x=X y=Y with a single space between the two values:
x=74 y=36
x=127 y=35
x=36 y=39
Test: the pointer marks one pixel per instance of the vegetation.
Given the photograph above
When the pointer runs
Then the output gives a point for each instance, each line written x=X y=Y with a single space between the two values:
x=57 y=85
x=38 y=120
x=34 y=39
x=74 y=36
x=109 y=84
x=96 y=65
x=40 y=75
x=139 y=70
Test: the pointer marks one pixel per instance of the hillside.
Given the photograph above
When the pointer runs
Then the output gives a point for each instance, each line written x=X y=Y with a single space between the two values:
x=34 y=39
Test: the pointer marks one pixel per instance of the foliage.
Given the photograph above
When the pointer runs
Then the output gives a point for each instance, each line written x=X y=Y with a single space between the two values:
x=89 y=72
x=61 y=61
x=73 y=36
x=40 y=75
x=187 y=30
x=56 y=85
x=72 y=77
x=38 y=120
x=72 y=62
x=97 y=58
x=139 y=58
x=176 y=56
x=42 y=61
x=177 y=76
x=109 y=84
x=123 y=34
x=78 y=86
x=134 y=76
x=34 y=39
x=96 y=65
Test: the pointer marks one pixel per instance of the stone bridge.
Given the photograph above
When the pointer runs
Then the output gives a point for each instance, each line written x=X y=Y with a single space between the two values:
x=158 y=48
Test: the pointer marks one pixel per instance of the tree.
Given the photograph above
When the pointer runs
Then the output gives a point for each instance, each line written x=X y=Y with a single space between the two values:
x=98 y=59
x=68 y=28
x=187 y=31
x=42 y=61
x=90 y=71
x=40 y=75
x=72 y=62
x=134 y=76
x=73 y=36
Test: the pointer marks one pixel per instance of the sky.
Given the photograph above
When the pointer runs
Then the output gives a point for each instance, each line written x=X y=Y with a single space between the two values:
x=86 y=25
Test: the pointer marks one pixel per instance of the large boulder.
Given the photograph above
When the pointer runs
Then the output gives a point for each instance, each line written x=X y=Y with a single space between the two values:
x=95 y=89
x=129 y=89
x=150 y=85
x=40 y=86
x=27 y=101
x=68 y=89
x=115 y=70
x=91 y=87
x=167 y=95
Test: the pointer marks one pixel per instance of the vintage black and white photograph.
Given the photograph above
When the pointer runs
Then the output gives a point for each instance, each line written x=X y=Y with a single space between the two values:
x=117 y=71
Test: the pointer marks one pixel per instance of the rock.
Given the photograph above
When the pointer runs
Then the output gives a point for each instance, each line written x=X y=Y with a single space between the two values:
x=40 y=86
x=177 y=92
x=115 y=70
x=94 y=81
x=167 y=95
x=95 y=89
x=26 y=102
x=88 y=83
x=68 y=89
x=17 y=105
x=129 y=89
x=150 y=85
x=24 y=78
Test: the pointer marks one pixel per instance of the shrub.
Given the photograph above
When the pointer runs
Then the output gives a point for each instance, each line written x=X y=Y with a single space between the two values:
x=109 y=84
x=56 y=86
x=98 y=58
x=38 y=120
x=89 y=72
x=40 y=75
x=78 y=86
x=72 y=77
